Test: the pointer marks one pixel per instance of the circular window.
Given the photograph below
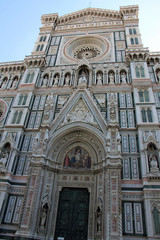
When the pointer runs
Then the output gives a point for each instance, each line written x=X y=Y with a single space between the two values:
x=89 y=47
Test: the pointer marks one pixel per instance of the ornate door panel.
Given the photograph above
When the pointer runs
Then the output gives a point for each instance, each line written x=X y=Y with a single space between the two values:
x=72 y=216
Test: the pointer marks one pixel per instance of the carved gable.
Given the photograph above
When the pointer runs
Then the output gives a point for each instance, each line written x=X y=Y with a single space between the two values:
x=80 y=108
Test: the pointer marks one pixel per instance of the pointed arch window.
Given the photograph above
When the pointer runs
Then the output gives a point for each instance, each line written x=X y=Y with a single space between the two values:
x=41 y=39
x=38 y=48
x=41 y=48
x=132 y=41
x=146 y=96
x=137 y=72
x=142 y=71
x=156 y=218
x=19 y=117
x=130 y=31
x=141 y=98
x=144 y=116
x=15 y=117
x=136 y=41
x=149 y=114
x=134 y=31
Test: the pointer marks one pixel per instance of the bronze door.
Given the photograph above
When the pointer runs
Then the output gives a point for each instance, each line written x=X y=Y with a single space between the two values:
x=72 y=216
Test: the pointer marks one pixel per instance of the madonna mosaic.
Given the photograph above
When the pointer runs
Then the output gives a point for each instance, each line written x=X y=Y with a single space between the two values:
x=77 y=158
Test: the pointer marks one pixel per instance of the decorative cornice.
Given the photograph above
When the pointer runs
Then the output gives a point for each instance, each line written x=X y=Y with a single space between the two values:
x=154 y=57
x=139 y=54
x=16 y=66
x=34 y=61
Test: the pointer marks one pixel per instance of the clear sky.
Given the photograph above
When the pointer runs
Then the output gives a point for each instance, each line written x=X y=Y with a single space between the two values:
x=20 y=21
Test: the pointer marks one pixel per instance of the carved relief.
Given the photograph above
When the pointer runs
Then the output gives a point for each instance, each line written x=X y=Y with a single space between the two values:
x=79 y=112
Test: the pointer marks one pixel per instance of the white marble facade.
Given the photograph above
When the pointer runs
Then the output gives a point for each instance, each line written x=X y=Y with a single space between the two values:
x=81 y=113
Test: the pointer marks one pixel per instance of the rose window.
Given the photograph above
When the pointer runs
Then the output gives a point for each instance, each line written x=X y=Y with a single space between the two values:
x=87 y=52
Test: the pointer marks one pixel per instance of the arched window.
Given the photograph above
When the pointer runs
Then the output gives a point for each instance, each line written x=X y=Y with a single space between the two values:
x=31 y=77
x=20 y=99
x=134 y=31
x=141 y=98
x=142 y=71
x=144 y=117
x=130 y=31
x=132 y=41
x=24 y=99
x=27 y=78
x=136 y=41
x=137 y=72
x=38 y=47
x=146 y=96
x=149 y=114
x=41 y=39
x=41 y=47
x=15 y=117
x=156 y=218
x=19 y=117
x=44 y=39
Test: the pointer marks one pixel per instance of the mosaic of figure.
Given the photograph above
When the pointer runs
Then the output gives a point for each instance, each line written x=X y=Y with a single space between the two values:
x=77 y=158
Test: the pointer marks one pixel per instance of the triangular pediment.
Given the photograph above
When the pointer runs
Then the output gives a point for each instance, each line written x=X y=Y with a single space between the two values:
x=89 y=15
x=80 y=108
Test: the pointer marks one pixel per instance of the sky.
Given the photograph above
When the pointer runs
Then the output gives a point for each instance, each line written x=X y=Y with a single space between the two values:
x=20 y=22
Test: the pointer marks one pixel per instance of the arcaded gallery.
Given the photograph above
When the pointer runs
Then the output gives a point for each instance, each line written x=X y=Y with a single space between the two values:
x=80 y=132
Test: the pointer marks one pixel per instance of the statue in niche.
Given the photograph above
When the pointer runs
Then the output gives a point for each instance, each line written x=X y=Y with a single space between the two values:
x=153 y=162
x=4 y=158
x=99 y=219
x=45 y=81
x=83 y=77
x=99 y=78
x=43 y=217
x=67 y=80
x=14 y=84
x=111 y=78
x=123 y=77
x=56 y=80
x=158 y=75
x=4 y=84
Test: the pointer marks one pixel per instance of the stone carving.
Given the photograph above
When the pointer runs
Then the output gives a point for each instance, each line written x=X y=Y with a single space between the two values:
x=111 y=78
x=35 y=142
x=101 y=98
x=4 y=84
x=112 y=102
x=123 y=77
x=108 y=142
x=83 y=77
x=56 y=80
x=62 y=100
x=80 y=112
x=43 y=217
x=153 y=163
x=67 y=80
x=45 y=81
x=3 y=158
x=99 y=219
x=99 y=78
x=49 y=102
x=15 y=83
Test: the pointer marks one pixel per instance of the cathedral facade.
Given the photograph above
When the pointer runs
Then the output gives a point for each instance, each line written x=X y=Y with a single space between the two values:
x=79 y=128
